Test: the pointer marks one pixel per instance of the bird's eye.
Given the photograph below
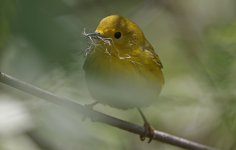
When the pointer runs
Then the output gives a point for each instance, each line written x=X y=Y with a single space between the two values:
x=117 y=35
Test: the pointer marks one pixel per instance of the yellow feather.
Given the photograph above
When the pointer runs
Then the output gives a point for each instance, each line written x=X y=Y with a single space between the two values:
x=126 y=72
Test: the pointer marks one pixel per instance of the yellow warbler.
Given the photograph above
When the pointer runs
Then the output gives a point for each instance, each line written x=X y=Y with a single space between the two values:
x=122 y=68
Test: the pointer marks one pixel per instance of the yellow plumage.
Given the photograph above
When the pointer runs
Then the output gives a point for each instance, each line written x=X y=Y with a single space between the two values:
x=122 y=70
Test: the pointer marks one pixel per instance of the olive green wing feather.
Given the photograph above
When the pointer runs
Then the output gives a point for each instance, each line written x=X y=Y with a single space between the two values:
x=147 y=46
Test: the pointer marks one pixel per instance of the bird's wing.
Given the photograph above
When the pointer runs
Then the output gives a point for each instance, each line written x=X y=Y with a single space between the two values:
x=148 y=47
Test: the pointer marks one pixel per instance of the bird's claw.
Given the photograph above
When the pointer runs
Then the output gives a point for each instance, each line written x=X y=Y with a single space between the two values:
x=148 y=132
x=88 y=106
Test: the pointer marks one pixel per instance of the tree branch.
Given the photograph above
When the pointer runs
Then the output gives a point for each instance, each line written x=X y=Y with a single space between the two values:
x=98 y=116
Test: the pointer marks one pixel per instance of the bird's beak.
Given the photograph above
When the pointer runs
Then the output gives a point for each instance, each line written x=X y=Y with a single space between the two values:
x=95 y=35
x=100 y=34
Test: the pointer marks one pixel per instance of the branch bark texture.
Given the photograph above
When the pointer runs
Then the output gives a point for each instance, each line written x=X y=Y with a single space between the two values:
x=98 y=116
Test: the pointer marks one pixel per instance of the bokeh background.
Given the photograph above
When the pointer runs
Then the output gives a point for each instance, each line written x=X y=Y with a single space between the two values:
x=41 y=43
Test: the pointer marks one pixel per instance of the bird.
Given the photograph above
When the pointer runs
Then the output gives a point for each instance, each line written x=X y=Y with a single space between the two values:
x=121 y=68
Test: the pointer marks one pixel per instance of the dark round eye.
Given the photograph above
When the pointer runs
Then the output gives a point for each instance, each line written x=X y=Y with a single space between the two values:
x=117 y=35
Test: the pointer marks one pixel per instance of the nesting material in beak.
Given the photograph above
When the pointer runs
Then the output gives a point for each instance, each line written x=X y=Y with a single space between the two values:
x=94 y=39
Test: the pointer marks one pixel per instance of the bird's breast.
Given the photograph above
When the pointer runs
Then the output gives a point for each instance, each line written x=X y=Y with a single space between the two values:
x=122 y=82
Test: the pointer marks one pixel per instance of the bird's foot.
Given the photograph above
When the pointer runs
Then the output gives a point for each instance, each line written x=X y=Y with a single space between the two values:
x=148 y=132
x=91 y=105
x=88 y=106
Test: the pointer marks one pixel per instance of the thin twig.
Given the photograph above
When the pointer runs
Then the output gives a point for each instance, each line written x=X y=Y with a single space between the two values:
x=98 y=116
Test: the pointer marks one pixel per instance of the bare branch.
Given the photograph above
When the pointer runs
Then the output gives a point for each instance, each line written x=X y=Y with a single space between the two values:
x=98 y=116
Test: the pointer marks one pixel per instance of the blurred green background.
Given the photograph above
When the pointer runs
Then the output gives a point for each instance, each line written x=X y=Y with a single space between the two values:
x=41 y=43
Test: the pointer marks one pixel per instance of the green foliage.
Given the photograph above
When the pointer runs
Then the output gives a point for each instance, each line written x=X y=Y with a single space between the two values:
x=221 y=41
x=221 y=53
x=41 y=43
x=7 y=12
